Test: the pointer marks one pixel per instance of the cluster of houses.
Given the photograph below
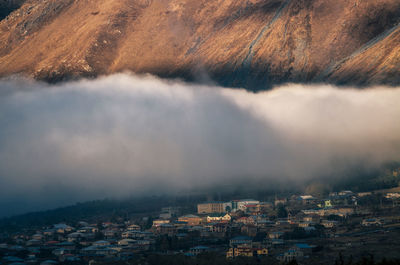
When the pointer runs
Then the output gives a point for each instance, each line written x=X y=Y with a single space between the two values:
x=247 y=228
x=84 y=242
x=242 y=221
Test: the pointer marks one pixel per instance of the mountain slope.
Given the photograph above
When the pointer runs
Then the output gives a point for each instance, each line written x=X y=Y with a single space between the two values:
x=376 y=63
x=253 y=43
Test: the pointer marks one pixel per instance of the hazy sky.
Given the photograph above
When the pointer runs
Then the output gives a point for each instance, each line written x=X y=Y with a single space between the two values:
x=123 y=134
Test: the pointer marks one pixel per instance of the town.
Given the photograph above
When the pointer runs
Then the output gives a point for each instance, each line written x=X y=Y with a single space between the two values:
x=303 y=228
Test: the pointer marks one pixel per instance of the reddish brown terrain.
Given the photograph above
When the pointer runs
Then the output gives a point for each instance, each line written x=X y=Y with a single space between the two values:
x=251 y=43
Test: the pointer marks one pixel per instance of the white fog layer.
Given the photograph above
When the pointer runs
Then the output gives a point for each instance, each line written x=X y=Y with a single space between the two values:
x=123 y=134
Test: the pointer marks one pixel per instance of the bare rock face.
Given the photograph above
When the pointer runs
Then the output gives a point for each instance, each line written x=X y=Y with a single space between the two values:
x=251 y=43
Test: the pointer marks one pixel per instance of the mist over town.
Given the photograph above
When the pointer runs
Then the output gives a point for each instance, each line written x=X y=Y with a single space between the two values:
x=125 y=135
x=199 y=132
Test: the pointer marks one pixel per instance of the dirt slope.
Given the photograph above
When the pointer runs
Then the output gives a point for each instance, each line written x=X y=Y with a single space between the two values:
x=252 y=43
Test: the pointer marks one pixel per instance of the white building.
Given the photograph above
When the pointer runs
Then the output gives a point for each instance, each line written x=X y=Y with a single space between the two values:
x=241 y=205
x=218 y=218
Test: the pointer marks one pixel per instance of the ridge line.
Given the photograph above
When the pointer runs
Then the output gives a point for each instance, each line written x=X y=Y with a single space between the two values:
x=369 y=44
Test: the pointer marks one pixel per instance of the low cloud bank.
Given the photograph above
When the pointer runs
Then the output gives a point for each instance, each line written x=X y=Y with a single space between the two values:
x=124 y=135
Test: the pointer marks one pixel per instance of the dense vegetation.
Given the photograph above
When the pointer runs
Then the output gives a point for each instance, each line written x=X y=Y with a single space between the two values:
x=372 y=179
x=111 y=209
x=214 y=259
x=365 y=261
x=100 y=210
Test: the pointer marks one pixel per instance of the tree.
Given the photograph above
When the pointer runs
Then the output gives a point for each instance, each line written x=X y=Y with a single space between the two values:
x=281 y=211
x=149 y=223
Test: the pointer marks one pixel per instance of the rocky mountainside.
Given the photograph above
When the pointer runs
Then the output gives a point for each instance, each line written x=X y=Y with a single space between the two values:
x=7 y=6
x=251 y=43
